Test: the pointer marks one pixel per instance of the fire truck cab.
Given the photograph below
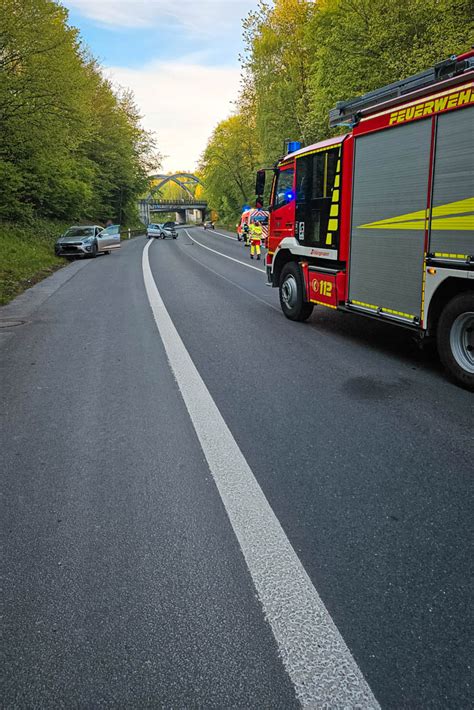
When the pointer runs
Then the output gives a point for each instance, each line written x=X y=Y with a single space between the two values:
x=380 y=221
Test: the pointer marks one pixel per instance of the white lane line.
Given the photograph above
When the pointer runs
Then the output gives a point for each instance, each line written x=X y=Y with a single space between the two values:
x=213 y=231
x=323 y=671
x=250 y=266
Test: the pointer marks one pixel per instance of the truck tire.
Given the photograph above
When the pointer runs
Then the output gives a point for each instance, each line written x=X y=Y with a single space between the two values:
x=291 y=291
x=455 y=339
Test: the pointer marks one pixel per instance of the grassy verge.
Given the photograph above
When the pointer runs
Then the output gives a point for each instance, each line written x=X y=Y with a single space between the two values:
x=27 y=255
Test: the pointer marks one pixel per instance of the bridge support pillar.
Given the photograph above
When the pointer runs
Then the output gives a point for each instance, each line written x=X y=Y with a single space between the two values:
x=144 y=212
x=181 y=217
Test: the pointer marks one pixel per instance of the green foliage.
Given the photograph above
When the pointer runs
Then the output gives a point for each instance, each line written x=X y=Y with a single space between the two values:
x=27 y=254
x=302 y=56
x=70 y=148
x=228 y=166
x=359 y=45
x=277 y=67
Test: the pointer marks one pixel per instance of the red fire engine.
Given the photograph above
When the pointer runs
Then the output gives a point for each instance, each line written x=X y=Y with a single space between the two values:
x=380 y=221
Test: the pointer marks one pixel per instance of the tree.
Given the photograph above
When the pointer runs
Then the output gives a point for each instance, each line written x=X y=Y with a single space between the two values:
x=276 y=67
x=359 y=45
x=228 y=166
x=70 y=147
x=303 y=56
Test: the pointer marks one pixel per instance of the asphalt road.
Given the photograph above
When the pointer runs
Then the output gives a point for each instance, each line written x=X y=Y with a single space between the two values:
x=131 y=577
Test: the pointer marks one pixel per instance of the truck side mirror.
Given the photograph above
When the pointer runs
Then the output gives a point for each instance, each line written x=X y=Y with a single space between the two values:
x=260 y=183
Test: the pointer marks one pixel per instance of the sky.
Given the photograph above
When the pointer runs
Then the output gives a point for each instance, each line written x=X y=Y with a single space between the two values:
x=179 y=57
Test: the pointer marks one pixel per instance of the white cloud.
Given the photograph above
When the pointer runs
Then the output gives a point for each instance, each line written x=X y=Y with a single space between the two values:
x=181 y=102
x=204 y=17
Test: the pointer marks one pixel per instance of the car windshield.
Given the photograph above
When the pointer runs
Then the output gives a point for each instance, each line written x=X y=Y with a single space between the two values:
x=80 y=232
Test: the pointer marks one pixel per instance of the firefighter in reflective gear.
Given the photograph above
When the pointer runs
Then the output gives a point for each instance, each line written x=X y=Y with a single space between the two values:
x=255 y=239
x=246 y=235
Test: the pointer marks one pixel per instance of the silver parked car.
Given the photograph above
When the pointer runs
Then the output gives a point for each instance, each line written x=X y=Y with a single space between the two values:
x=88 y=240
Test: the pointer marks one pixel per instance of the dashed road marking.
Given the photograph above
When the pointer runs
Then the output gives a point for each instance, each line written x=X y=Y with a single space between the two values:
x=320 y=665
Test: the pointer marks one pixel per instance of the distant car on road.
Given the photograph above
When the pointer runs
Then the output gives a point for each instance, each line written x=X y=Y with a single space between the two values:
x=88 y=240
x=209 y=225
x=153 y=230
x=161 y=231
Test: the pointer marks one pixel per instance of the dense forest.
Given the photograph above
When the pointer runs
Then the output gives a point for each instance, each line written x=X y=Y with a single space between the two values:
x=70 y=146
x=301 y=57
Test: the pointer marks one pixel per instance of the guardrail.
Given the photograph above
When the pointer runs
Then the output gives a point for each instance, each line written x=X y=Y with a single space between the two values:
x=180 y=201
x=129 y=233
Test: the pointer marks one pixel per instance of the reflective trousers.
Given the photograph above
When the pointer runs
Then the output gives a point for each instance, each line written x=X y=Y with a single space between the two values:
x=255 y=246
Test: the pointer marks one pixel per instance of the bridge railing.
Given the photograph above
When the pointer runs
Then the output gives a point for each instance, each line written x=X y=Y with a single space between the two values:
x=176 y=202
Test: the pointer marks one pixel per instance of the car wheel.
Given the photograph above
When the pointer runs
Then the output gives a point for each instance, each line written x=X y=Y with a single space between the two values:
x=291 y=289
x=94 y=250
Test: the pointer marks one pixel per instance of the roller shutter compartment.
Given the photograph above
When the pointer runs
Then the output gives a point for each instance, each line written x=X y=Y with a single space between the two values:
x=452 y=209
x=391 y=172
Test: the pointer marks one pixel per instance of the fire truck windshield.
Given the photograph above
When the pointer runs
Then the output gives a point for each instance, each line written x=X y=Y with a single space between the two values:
x=284 y=188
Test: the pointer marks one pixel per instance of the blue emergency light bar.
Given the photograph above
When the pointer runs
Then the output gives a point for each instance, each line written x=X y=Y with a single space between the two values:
x=292 y=146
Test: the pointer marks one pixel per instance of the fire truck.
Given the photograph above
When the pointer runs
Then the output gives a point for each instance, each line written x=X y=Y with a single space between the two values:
x=380 y=221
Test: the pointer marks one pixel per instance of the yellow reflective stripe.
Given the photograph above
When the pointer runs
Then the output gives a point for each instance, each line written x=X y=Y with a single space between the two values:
x=318 y=150
x=454 y=207
x=333 y=222
x=451 y=216
x=451 y=256
x=366 y=305
x=457 y=224
x=423 y=286
x=383 y=310
x=397 y=313
x=320 y=303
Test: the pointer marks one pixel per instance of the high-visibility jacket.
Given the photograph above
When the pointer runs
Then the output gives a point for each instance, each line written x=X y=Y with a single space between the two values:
x=256 y=231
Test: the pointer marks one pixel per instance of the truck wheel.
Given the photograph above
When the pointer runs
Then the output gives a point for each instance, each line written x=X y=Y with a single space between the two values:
x=455 y=338
x=291 y=289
